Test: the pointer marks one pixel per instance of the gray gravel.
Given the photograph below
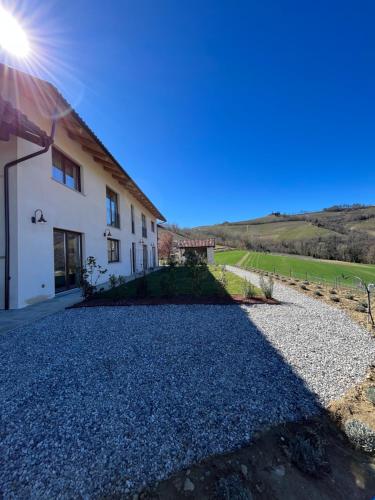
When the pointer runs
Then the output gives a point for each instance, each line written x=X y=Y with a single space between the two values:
x=100 y=401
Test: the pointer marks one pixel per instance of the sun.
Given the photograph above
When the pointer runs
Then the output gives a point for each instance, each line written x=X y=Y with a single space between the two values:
x=13 y=38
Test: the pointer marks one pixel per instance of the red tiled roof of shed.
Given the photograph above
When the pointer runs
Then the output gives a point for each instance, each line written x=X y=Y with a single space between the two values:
x=210 y=242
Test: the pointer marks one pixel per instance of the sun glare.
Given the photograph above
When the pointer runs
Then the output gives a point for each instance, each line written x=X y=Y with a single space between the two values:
x=13 y=38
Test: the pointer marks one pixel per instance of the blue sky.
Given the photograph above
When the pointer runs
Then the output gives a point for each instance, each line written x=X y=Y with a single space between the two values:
x=221 y=110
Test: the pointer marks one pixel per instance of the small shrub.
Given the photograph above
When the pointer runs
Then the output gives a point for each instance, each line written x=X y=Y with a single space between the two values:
x=318 y=293
x=248 y=289
x=360 y=435
x=333 y=291
x=308 y=453
x=349 y=296
x=360 y=308
x=364 y=304
x=121 y=279
x=113 y=280
x=266 y=285
x=303 y=287
x=90 y=274
x=223 y=278
x=335 y=299
x=141 y=290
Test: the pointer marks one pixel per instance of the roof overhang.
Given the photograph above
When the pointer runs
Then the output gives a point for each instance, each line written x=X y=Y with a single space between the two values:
x=48 y=98
x=13 y=122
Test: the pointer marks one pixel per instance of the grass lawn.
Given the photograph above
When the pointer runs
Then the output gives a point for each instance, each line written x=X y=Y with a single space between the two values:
x=156 y=284
x=230 y=257
x=302 y=267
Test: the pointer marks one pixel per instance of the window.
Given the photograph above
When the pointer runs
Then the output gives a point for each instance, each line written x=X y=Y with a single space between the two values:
x=65 y=171
x=132 y=218
x=113 y=217
x=113 y=247
x=133 y=258
x=144 y=227
x=152 y=226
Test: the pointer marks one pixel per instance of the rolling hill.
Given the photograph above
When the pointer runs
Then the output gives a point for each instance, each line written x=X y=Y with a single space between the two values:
x=340 y=232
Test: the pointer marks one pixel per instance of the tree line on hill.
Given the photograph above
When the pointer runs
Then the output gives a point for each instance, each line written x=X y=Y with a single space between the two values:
x=343 y=243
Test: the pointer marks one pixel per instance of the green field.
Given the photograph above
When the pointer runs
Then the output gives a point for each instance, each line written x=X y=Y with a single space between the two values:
x=230 y=257
x=299 y=267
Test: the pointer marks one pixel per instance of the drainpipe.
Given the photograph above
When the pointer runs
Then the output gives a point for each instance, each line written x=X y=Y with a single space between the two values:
x=7 y=167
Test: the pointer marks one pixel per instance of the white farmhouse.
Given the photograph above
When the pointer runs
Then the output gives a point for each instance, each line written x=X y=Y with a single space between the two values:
x=63 y=197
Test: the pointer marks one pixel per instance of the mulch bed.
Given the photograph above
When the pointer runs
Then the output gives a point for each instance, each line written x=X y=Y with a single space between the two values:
x=180 y=300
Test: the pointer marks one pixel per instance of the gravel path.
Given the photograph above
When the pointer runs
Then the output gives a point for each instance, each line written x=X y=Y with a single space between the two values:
x=328 y=350
x=100 y=401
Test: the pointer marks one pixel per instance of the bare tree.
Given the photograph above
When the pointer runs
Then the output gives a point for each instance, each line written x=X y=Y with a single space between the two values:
x=368 y=288
x=165 y=245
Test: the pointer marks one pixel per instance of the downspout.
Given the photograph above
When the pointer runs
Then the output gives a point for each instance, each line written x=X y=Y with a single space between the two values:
x=7 y=167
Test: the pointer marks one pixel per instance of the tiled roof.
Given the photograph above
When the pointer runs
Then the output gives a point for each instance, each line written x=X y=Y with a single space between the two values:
x=13 y=122
x=210 y=242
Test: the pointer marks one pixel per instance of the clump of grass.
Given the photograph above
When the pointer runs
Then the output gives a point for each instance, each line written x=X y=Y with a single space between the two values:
x=308 y=453
x=335 y=299
x=303 y=287
x=266 y=285
x=364 y=304
x=318 y=293
x=333 y=291
x=360 y=308
x=248 y=289
x=360 y=435
x=349 y=296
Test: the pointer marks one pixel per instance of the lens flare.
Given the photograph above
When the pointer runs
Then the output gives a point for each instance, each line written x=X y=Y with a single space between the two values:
x=13 y=38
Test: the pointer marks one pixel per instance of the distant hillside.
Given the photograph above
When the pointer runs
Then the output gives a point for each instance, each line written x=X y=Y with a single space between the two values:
x=340 y=232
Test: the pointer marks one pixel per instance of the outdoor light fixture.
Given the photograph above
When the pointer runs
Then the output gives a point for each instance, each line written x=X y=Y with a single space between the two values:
x=107 y=233
x=38 y=217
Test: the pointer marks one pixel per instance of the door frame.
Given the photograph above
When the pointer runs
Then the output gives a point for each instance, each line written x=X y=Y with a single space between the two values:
x=65 y=231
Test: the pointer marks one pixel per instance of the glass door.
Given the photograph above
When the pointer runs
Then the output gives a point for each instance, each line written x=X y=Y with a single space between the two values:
x=68 y=261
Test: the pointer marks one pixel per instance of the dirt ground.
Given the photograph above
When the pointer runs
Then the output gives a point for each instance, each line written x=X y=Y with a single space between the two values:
x=179 y=300
x=351 y=301
x=311 y=460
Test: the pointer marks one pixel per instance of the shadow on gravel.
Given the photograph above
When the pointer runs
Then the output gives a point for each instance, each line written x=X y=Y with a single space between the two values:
x=102 y=401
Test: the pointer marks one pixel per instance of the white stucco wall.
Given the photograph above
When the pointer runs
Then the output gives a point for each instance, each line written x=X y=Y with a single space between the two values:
x=210 y=255
x=32 y=251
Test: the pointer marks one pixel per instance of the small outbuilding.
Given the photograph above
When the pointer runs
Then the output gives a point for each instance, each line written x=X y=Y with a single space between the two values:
x=203 y=248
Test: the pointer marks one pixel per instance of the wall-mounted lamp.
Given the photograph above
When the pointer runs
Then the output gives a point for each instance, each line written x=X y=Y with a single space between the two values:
x=107 y=233
x=38 y=217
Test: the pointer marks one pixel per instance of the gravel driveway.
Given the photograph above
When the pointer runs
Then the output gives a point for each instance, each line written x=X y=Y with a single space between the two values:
x=100 y=401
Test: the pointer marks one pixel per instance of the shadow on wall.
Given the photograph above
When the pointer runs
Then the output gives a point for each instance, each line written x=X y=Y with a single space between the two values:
x=131 y=395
